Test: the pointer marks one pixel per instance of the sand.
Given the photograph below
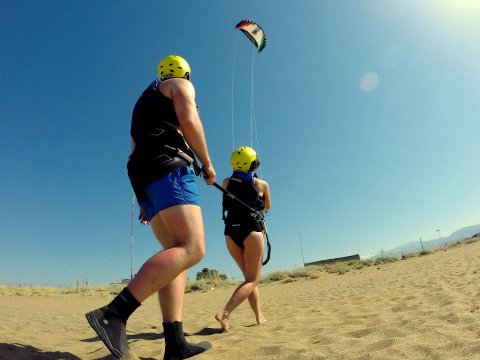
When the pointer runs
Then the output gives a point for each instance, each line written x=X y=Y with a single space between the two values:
x=420 y=308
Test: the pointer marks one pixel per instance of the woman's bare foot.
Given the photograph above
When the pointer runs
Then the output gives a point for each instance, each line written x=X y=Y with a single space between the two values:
x=222 y=318
x=261 y=320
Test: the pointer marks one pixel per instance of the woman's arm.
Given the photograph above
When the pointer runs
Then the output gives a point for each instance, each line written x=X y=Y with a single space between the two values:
x=264 y=190
x=225 y=182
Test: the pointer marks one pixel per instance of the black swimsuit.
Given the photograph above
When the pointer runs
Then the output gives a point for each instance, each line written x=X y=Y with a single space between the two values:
x=240 y=221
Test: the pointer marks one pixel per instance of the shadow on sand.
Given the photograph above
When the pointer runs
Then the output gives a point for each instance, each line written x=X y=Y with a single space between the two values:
x=27 y=352
x=158 y=336
x=136 y=337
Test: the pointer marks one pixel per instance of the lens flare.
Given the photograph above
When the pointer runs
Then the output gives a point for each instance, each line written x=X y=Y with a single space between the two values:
x=369 y=82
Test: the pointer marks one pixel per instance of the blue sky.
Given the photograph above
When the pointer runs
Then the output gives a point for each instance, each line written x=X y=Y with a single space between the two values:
x=366 y=113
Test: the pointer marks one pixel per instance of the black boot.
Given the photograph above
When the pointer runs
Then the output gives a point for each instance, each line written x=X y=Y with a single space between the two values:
x=109 y=322
x=176 y=347
x=110 y=329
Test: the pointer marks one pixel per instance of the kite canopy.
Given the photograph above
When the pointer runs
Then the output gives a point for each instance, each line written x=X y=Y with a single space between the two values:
x=254 y=32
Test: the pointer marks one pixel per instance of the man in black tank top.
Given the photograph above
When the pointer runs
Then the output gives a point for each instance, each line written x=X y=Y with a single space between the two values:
x=152 y=129
x=165 y=114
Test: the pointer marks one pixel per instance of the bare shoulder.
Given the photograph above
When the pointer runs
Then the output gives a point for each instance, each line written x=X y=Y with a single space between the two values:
x=261 y=184
x=180 y=84
x=176 y=86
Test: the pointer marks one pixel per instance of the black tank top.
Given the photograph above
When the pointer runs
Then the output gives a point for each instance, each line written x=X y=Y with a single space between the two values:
x=245 y=191
x=151 y=160
x=151 y=108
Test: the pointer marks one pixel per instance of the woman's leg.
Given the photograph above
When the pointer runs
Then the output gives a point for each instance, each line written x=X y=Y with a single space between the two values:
x=254 y=298
x=254 y=301
x=250 y=258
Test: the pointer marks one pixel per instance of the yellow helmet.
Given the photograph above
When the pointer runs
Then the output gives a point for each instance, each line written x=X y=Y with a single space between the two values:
x=173 y=66
x=243 y=158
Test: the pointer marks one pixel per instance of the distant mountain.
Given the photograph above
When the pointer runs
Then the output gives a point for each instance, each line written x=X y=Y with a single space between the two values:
x=415 y=246
x=465 y=233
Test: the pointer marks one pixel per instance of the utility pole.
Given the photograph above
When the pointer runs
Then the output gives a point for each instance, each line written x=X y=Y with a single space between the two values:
x=421 y=243
x=301 y=248
x=439 y=237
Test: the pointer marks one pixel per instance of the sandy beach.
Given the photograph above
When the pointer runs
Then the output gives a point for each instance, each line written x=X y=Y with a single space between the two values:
x=424 y=307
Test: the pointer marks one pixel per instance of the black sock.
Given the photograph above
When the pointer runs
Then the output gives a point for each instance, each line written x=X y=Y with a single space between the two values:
x=124 y=305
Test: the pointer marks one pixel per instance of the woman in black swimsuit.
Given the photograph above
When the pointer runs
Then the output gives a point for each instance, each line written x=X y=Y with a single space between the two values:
x=244 y=230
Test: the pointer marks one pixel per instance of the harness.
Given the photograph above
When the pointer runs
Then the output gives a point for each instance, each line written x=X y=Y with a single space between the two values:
x=258 y=214
x=233 y=211
x=154 y=158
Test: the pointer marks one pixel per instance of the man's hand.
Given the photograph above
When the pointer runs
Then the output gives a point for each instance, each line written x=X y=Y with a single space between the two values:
x=208 y=174
x=143 y=217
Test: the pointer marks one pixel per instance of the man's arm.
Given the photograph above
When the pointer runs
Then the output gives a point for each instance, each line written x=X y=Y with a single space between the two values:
x=132 y=144
x=183 y=96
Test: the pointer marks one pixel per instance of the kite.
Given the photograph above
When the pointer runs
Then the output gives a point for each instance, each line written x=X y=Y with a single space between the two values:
x=254 y=32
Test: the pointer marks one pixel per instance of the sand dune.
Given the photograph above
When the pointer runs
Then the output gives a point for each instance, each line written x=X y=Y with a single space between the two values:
x=421 y=308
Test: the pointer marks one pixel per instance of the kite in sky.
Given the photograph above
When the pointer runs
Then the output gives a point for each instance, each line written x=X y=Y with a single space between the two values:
x=254 y=32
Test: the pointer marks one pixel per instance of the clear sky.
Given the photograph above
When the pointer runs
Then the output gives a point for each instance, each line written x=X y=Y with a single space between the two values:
x=367 y=115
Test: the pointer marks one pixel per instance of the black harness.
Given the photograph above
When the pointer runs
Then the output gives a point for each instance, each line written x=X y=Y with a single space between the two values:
x=154 y=158
x=236 y=211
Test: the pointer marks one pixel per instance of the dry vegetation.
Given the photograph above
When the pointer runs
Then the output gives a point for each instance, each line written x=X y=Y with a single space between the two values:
x=207 y=283
x=33 y=290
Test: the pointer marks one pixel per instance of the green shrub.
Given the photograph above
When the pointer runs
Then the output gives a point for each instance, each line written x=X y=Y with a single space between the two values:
x=384 y=260
x=424 y=252
x=275 y=276
x=210 y=274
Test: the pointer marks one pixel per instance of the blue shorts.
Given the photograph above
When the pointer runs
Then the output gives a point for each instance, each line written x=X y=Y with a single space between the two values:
x=175 y=188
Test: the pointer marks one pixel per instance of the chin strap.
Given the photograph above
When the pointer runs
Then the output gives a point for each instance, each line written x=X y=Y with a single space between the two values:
x=198 y=171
